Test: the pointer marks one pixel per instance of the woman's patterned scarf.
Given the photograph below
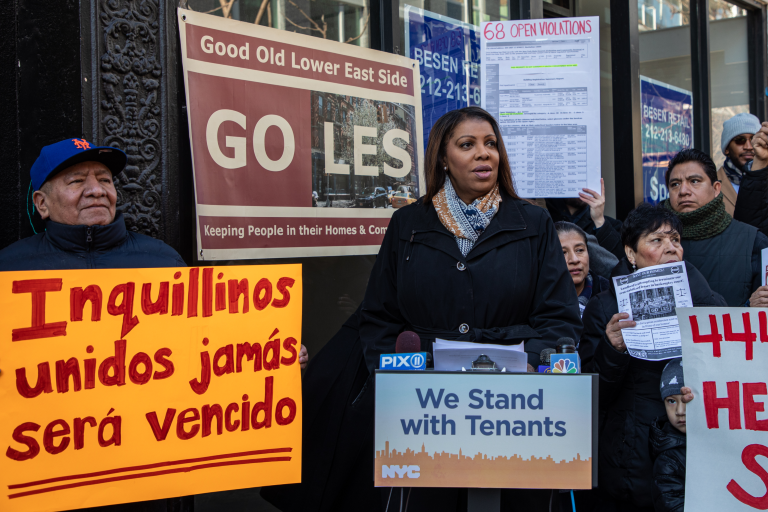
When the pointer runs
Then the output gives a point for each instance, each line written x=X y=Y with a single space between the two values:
x=466 y=223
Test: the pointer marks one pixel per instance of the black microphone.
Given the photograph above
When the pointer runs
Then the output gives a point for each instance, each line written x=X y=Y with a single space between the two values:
x=407 y=343
x=566 y=346
x=545 y=356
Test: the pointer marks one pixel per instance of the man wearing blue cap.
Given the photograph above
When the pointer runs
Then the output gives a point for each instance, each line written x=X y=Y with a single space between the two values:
x=75 y=194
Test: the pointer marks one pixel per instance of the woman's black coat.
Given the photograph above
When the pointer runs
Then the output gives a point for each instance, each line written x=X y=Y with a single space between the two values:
x=515 y=275
x=629 y=394
x=668 y=453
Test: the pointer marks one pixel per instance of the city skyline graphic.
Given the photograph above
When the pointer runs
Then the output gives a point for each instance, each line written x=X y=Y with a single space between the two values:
x=480 y=470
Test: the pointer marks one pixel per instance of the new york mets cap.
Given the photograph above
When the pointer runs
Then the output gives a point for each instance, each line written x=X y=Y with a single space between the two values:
x=61 y=155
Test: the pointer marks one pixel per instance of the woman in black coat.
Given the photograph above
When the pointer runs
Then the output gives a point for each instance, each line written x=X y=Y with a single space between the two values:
x=469 y=261
x=629 y=387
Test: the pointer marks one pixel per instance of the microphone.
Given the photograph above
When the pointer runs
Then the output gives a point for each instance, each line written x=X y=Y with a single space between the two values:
x=566 y=360
x=566 y=346
x=407 y=342
x=545 y=357
x=408 y=354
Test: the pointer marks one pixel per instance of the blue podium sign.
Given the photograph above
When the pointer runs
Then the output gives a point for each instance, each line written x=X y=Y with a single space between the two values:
x=448 y=52
x=667 y=127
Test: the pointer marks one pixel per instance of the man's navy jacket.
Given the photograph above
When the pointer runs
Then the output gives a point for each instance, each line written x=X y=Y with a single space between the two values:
x=63 y=247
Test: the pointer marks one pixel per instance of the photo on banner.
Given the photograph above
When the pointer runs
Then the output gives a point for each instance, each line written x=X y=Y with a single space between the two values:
x=667 y=128
x=300 y=145
x=448 y=52
x=168 y=382
x=541 y=81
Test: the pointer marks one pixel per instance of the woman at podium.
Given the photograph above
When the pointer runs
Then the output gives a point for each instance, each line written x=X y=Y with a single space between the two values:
x=469 y=261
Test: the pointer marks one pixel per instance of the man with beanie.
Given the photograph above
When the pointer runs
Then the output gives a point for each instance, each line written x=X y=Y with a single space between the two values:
x=726 y=251
x=736 y=145
x=667 y=440
x=75 y=194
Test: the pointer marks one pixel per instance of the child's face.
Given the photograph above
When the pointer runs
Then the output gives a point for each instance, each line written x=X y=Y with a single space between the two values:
x=676 y=411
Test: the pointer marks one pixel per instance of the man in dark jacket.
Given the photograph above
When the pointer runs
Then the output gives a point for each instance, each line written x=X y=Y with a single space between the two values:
x=726 y=251
x=668 y=443
x=75 y=194
x=587 y=212
x=752 y=203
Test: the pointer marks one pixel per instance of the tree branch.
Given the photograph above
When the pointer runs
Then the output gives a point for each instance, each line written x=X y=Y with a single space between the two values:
x=365 y=27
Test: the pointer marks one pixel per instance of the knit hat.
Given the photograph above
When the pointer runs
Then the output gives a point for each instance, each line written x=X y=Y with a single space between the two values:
x=672 y=378
x=737 y=125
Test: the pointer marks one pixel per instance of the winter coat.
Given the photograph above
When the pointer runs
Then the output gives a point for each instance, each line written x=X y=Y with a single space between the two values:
x=63 y=247
x=608 y=235
x=752 y=201
x=729 y=192
x=667 y=446
x=337 y=456
x=513 y=285
x=629 y=394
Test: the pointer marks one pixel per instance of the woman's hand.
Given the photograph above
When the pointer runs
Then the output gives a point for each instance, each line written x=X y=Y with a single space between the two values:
x=596 y=203
x=303 y=357
x=613 y=330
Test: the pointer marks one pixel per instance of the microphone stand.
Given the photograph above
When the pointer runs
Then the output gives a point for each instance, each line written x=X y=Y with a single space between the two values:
x=483 y=500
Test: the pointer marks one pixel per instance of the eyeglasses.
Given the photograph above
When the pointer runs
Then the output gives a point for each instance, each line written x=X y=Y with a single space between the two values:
x=740 y=140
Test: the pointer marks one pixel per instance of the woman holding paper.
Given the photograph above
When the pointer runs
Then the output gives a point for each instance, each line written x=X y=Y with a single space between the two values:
x=469 y=261
x=629 y=387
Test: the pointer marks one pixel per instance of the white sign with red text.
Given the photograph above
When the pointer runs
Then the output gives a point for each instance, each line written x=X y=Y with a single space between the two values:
x=725 y=352
x=541 y=81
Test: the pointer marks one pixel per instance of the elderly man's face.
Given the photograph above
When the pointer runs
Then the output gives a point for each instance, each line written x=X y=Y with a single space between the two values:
x=83 y=194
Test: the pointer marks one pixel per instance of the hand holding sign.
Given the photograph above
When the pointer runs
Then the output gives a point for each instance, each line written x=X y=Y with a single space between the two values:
x=613 y=330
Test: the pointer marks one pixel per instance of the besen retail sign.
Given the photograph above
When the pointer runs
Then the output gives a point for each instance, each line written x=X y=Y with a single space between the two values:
x=297 y=142
x=725 y=351
x=500 y=430
x=180 y=381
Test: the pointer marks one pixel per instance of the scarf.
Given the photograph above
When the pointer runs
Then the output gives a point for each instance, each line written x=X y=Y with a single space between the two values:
x=733 y=171
x=465 y=222
x=708 y=221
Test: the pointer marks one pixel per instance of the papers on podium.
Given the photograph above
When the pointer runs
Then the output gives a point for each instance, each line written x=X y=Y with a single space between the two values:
x=455 y=355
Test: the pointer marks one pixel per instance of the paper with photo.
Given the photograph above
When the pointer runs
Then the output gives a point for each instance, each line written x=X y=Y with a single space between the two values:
x=651 y=297
x=455 y=355
x=764 y=272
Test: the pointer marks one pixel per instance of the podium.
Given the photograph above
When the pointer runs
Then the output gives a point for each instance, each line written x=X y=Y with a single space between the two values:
x=485 y=431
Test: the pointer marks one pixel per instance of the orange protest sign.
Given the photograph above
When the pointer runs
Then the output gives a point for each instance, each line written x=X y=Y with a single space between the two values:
x=129 y=385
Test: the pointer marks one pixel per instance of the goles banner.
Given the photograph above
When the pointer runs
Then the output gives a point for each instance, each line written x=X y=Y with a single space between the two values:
x=128 y=386
x=300 y=146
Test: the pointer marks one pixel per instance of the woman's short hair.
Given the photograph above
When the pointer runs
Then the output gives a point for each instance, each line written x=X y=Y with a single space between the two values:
x=693 y=155
x=646 y=219
x=563 y=227
x=439 y=136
